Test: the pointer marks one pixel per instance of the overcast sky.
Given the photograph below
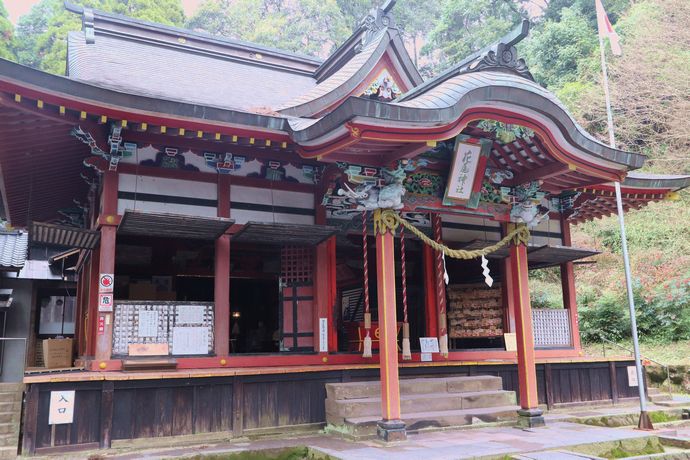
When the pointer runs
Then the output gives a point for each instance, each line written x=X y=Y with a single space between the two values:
x=17 y=8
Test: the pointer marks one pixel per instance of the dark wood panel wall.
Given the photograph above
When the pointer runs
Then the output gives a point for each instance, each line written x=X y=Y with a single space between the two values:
x=112 y=410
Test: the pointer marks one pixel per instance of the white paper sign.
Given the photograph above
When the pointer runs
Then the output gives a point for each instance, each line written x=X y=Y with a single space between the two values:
x=463 y=171
x=61 y=407
x=632 y=376
x=190 y=341
x=428 y=344
x=190 y=314
x=105 y=302
x=323 y=335
x=148 y=323
x=425 y=356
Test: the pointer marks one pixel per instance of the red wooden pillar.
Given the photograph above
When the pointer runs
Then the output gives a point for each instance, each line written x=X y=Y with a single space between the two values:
x=430 y=303
x=106 y=265
x=437 y=227
x=221 y=276
x=506 y=290
x=568 y=287
x=324 y=295
x=530 y=414
x=391 y=428
x=221 y=297
x=92 y=305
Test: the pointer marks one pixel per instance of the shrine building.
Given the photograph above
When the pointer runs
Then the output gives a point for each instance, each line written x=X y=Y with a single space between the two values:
x=251 y=240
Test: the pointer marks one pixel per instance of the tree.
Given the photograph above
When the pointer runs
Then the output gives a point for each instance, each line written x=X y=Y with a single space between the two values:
x=556 y=49
x=308 y=26
x=6 y=32
x=466 y=26
x=41 y=39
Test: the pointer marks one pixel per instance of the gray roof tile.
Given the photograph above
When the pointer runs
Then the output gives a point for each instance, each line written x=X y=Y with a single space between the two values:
x=13 y=249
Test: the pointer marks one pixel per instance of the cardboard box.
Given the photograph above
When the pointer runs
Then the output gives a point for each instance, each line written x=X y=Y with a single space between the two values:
x=57 y=353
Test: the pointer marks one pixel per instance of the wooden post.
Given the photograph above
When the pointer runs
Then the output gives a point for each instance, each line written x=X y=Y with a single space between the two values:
x=106 y=265
x=530 y=414
x=324 y=274
x=568 y=288
x=30 y=422
x=506 y=290
x=548 y=385
x=107 y=391
x=391 y=428
x=430 y=303
x=614 y=382
x=221 y=277
x=237 y=406
x=437 y=227
x=221 y=297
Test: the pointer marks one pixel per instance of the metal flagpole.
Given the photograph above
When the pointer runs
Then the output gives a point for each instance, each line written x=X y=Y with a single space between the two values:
x=644 y=422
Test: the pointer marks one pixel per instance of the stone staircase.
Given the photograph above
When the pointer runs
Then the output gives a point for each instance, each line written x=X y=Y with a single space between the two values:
x=424 y=403
x=10 y=415
x=655 y=395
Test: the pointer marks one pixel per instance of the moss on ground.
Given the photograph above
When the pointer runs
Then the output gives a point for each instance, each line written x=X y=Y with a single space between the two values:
x=294 y=453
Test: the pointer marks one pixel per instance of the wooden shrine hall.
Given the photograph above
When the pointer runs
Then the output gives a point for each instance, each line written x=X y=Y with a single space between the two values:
x=251 y=228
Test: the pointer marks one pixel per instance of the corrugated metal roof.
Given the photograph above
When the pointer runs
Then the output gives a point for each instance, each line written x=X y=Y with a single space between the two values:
x=61 y=235
x=13 y=247
x=173 y=225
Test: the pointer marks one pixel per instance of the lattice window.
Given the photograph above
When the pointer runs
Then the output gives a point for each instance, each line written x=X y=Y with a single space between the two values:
x=296 y=264
x=551 y=328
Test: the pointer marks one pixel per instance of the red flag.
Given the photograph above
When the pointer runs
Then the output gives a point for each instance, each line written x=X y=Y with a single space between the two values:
x=606 y=29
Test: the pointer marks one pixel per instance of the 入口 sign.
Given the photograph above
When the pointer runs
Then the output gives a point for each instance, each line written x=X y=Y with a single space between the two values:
x=61 y=408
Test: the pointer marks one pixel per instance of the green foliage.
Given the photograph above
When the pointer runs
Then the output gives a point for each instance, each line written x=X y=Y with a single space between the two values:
x=7 y=34
x=664 y=314
x=466 y=26
x=614 y=9
x=307 y=27
x=555 y=49
x=41 y=37
x=606 y=317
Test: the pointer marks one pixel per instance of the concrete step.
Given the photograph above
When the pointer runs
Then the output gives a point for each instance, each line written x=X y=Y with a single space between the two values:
x=13 y=406
x=10 y=440
x=339 y=410
x=361 y=426
x=675 y=402
x=9 y=428
x=655 y=398
x=372 y=389
x=9 y=397
x=8 y=452
x=11 y=387
x=10 y=417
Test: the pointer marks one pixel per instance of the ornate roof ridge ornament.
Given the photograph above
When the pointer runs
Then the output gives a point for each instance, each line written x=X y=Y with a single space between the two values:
x=505 y=57
x=378 y=19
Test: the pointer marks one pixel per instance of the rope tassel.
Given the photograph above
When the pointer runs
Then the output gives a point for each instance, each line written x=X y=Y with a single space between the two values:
x=406 y=353
x=366 y=353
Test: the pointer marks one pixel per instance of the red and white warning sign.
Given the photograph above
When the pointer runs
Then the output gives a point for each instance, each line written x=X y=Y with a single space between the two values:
x=106 y=282
x=105 y=302
x=101 y=324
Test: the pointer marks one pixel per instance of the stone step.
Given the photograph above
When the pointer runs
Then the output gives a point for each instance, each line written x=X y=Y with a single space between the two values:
x=372 y=389
x=9 y=397
x=360 y=426
x=680 y=402
x=655 y=398
x=9 y=428
x=9 y=440
x=339 y=410
x=13 y=406
x=8 y=451
x=10 y=417
x=11 y=387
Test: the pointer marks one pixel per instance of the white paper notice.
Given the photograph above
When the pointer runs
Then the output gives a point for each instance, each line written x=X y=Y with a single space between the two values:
x=190 y=314
x=61 y=407
x=190 y=341
x=428 y=344
x=323 y=335
x=632 y=376
x=425 y=356
x=148 y=323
